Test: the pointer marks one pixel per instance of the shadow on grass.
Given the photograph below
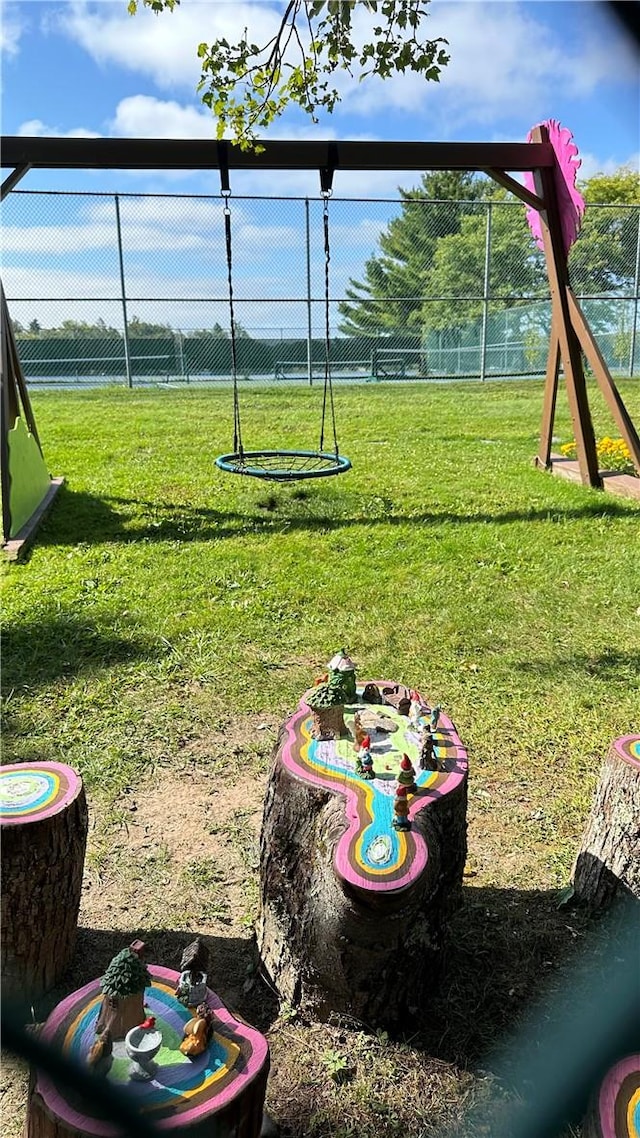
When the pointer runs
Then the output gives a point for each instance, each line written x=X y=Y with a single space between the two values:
x=231 y=965
x=503 y=946
x=84 y=518
x=606 y=665
x=48 y=647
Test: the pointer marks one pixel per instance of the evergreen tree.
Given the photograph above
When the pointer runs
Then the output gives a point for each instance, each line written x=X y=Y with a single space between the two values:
x=390 y=295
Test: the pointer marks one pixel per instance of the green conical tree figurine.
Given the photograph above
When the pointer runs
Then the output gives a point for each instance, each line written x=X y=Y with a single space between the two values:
x=123 y=986
x=327 y=702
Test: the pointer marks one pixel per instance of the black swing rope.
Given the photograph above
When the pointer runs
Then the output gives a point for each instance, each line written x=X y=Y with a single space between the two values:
x=328 y=386
x=279 y=465
x=237 y=430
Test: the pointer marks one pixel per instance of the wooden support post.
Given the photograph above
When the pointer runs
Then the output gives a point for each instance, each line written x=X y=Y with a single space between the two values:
x=549 y=405
x=569 y=346
x=605 y=381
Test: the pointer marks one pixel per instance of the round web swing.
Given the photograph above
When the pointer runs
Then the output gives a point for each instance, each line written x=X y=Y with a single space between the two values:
x=282 y=465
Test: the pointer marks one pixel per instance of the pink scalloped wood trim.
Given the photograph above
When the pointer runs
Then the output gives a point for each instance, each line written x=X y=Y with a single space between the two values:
x=570 y=200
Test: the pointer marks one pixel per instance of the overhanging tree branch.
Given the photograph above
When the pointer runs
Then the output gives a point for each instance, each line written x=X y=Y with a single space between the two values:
x=247 y=85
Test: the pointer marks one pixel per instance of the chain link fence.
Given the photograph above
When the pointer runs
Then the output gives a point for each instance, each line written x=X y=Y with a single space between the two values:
x=132 y=288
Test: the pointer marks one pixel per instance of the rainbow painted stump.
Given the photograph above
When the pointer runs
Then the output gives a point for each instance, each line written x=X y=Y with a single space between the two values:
x=43 y=822
x=220 y=1092
x=351 y=907
x=616 y=1108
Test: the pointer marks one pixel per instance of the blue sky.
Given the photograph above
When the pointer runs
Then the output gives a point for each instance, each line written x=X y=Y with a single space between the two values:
x=81 y=67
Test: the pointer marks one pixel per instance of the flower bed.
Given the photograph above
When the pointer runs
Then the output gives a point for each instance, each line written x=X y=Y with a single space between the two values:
x=613 y=454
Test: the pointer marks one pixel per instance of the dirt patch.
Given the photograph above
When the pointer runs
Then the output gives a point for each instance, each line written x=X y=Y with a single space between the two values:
x=178 y=856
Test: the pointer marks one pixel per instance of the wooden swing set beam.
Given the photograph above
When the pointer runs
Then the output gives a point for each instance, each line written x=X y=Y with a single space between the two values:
x=202 y=154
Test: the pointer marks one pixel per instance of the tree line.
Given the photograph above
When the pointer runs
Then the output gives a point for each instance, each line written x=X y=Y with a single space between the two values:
x=136 y=328
x=429 y=258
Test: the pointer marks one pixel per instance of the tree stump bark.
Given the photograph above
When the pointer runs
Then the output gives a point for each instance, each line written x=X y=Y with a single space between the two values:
x=354 y=912
x=613 y=1110
x=43 y=821
x=608 y=862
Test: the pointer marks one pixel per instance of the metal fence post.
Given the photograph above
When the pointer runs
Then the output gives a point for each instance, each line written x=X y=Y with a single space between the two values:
x=127 y=355
x=636 y=288
x=485 y=297
x=309 y=338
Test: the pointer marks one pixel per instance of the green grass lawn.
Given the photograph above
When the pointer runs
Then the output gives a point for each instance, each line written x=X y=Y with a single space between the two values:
x=164 y=601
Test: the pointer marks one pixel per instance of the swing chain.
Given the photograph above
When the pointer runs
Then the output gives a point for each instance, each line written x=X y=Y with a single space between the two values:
x=328 y=388
x=237 y=435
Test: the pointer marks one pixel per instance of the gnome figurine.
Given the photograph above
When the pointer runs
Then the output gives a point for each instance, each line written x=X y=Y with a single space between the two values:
x=407 y=775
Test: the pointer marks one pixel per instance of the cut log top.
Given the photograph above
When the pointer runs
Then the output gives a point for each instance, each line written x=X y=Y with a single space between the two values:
x=184 y=1092
x=371 y=854
x=31 y=792
x=627 y=748
x=616 y=1107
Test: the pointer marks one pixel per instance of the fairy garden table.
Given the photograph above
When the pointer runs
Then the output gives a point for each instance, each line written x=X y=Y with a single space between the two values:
x=218 y=1094
x=353 y=909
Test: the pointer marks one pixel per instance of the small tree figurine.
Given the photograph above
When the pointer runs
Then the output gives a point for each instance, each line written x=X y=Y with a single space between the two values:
x=123 y=986
x=327 y=704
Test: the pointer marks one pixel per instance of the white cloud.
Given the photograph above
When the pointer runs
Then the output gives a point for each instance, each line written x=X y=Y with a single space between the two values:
x=143 y=116
x=504 y=61
x=36 y=128
x=11 y=31
x=162 y=47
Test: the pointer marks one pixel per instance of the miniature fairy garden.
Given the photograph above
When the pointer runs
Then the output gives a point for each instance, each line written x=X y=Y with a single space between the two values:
x=363 y=846
x=382 y=733
x=166 y=1037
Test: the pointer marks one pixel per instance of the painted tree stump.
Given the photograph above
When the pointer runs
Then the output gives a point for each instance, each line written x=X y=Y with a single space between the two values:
x=608 y=863
x=43 y=823
x=615 y=1112
x=219 y=1092
x=353 y=911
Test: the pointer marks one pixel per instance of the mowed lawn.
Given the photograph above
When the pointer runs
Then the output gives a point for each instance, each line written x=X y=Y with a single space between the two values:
x=170 y=616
